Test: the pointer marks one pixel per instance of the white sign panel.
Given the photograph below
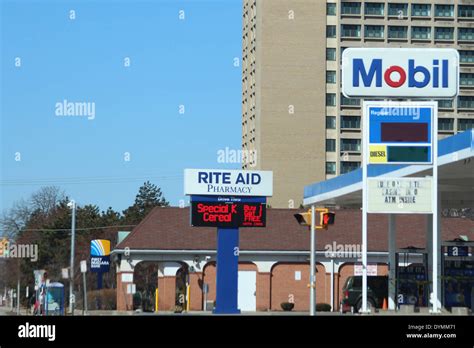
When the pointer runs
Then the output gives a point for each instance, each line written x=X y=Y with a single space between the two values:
x=297 y=275
x=228 y=182
x=371 y=269
x=400 y=195
x=131 y=289
x=400 y=72
x=127 y=277
x=83 y=266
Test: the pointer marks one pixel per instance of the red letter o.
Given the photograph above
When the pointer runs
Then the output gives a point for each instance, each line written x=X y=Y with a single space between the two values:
x=388 y=76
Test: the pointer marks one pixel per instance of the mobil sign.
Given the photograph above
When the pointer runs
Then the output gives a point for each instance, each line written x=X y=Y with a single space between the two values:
x=400 y=72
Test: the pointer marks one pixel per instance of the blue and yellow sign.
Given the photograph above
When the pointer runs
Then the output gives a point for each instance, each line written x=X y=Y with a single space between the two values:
x=100 y=255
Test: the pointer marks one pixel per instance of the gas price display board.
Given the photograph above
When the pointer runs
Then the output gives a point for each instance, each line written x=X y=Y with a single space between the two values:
x=401 y=133
x=229 y=212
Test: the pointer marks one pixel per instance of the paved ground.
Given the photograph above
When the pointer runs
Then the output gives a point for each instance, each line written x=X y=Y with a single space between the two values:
x=7 y=311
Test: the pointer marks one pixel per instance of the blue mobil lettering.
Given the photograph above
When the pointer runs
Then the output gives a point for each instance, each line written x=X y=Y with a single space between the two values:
x=225 y=178
x=437 y=73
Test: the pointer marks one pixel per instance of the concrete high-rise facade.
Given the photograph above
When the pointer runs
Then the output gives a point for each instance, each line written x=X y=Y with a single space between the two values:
x=294 y=117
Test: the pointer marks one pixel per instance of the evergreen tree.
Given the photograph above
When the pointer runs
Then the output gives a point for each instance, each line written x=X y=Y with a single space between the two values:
x=149 y=196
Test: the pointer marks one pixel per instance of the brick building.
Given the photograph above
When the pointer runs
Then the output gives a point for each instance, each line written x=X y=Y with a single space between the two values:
x=277 y=256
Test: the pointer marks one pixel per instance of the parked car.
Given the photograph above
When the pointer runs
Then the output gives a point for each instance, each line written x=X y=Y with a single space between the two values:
x=377 y=291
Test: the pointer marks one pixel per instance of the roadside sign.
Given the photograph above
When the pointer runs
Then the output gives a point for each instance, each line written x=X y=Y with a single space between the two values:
x=400 y=72
x=400 y=195
x=100 y=255
x=371 y=269
x=228 y=182
x=39 y=277
x=83 y=266
x=227 y=199
x=400 y=132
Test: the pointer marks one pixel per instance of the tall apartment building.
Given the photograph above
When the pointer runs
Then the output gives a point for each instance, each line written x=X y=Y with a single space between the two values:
x=293 y=113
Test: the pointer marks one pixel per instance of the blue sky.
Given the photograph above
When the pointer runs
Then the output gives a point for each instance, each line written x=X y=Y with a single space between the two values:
x=173 y=62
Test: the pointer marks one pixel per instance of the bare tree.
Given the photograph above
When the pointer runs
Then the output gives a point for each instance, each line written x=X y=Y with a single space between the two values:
x=13 y=220
x=46 y=199
x=43 y=201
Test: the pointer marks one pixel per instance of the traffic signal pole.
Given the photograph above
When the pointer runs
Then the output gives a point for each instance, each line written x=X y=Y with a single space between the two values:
x=312 y=261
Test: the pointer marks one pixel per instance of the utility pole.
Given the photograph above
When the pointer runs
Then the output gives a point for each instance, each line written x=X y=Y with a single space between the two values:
x=18 y=296
x=72 y=300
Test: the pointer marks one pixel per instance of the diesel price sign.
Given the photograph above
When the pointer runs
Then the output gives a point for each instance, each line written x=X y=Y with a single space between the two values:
x=228 y=214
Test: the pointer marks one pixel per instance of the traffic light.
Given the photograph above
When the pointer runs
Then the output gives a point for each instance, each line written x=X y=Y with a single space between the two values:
x=325 y=218
x=304 y=219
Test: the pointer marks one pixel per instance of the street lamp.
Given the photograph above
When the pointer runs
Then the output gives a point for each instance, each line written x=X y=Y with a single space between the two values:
x=72 y=205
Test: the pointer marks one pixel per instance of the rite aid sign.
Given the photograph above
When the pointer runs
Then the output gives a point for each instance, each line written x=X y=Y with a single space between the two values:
x=228 y=182
x=400 y=72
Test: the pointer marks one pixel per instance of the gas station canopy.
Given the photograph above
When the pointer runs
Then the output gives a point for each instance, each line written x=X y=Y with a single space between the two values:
x=456 y=177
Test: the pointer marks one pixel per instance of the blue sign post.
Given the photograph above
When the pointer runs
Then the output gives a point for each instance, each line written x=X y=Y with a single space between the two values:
x=227 y=242
x=227 y=271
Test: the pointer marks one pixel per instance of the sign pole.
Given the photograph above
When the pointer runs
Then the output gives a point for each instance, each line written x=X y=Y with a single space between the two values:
x=436 y=249
x=99 y=280
x=312 y=283
x=364 y=207
x=84 y=290
x=72 y=204
x=227 y=271
x=84 y=305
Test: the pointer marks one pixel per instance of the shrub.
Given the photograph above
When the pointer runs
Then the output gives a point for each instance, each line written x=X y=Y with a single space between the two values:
x=287 y=306
x=323 y=307
x=105 y=299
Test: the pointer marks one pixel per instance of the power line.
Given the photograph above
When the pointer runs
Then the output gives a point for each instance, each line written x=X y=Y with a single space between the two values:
x=68 y=229
x=86 y=180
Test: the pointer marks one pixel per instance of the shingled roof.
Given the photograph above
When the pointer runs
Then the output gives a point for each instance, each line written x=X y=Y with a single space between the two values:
x=168 y=228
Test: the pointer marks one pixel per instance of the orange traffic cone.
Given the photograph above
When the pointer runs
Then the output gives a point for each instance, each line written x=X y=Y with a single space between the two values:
x=384 y=305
